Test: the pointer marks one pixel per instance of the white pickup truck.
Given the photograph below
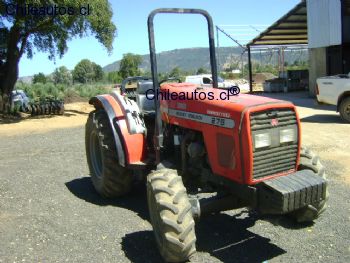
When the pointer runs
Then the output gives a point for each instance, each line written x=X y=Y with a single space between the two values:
x=205 y=80
x=335 y=90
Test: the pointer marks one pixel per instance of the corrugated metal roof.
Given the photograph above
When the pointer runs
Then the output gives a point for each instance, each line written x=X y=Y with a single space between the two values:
x=291 y=29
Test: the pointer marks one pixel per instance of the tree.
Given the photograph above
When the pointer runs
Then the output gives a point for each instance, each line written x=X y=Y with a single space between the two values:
x=129 y=65
x=114 y=77
x=3 y=37
x=175 y=72
x=201 y=70
x=87 y=71
x=98 y=72
x=43 y=29
x=84 y=71
x=39 y=78
x=62 y=75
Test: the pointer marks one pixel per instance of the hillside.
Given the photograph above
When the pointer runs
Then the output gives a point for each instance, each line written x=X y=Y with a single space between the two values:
x=193 y=58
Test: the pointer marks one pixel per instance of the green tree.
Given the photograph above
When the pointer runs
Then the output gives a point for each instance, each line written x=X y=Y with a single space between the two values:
x=114 y=77
x=129 y=65
x=98 y=72
x=62 y=75
x=201 y=70
x=84 y=71
x=48 y=33
x=39 y=78
x=175 y=72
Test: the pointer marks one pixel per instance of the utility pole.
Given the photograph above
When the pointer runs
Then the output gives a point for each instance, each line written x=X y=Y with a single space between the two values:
x=218 y=48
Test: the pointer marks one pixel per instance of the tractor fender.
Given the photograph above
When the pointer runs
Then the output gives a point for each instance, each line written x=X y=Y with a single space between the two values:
x=128 y=128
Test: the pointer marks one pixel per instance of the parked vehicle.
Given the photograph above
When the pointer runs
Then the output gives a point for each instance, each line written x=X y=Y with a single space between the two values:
x=19 y=99
x=246 y=152
x=335 y=90
x=205 y=80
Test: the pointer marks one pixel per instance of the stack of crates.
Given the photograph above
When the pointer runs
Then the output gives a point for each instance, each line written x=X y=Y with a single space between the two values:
x=297 y=80
x=274 y=85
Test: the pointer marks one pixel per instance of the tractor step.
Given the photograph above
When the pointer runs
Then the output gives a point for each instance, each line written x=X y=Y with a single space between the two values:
x=288 y=193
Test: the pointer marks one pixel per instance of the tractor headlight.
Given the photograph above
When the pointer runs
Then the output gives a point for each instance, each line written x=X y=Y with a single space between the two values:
x=286 y=135
x=262 y=140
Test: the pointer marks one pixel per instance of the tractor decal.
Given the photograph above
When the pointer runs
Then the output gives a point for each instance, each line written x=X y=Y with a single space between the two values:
x=203 y=118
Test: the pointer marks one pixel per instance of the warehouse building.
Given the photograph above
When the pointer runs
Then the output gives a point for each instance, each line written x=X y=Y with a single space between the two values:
x=329 y=38
x=322 y=25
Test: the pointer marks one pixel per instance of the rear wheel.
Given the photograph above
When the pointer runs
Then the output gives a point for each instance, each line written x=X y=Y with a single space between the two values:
x=344 y=109
x=171 y=215
x=311 y=161
x=109 y=178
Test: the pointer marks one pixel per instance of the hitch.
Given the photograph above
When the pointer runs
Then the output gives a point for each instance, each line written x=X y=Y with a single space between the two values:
x=215 y=204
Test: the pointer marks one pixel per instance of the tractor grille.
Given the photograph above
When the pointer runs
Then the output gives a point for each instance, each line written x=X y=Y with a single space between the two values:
x=279 y=157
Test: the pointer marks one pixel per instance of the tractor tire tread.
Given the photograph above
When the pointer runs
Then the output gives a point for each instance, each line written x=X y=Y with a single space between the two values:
x=345 y=102
x=174 y=228
x=115 y=180
x=310 y=161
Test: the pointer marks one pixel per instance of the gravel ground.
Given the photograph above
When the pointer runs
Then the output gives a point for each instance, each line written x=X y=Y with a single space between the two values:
x=49 y=212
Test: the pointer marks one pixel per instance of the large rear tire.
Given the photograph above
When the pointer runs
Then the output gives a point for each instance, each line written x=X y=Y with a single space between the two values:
x=311 y=161
x=171 y=215
x=344 y=109
x=108 y=177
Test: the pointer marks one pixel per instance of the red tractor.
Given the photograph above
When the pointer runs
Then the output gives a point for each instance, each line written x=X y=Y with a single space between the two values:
x=246 y=150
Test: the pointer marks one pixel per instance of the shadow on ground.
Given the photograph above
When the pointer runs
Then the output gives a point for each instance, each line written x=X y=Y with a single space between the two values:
x=223 y=236
x=323 y=118
x=135 y=201
x=77 y=112
x=299 y=98
x=10 y=119
x=228 y=239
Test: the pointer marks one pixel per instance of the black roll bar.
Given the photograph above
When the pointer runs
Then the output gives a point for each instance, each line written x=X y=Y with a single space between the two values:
x=158 y=124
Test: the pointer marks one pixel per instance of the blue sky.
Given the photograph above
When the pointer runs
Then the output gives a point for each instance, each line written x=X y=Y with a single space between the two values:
x=172 y=31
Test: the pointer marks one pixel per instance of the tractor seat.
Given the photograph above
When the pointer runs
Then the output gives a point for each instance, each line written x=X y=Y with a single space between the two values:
x=144 y=97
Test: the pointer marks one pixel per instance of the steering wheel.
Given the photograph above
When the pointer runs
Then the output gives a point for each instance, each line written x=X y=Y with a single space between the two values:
x=170 y=79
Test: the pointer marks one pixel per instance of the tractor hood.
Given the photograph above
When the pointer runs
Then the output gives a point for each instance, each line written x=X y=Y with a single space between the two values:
x=213 y=107
x=242 y=101
x=216 y=102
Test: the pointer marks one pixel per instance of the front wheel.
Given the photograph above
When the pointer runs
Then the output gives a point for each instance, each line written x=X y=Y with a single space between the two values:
x=171 y=215
x=108 y=177
x=310 y=161
x=344 y=109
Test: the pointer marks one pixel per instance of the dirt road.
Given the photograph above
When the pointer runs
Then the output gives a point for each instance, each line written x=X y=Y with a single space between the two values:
x=49 y=211
x=74 y=116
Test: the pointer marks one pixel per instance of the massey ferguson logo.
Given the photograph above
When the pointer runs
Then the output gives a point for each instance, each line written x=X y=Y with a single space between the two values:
x=274 y=122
